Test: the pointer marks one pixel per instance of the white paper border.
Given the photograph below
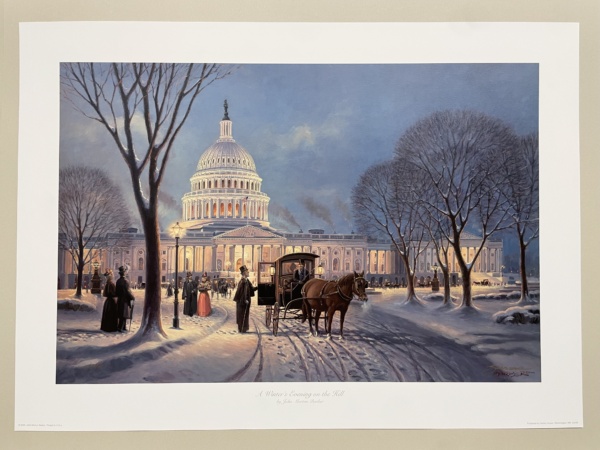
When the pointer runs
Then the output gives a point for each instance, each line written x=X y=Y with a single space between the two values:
x=40 y=404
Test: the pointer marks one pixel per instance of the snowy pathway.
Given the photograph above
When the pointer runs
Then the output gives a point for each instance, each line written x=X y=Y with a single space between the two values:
x=383 y=342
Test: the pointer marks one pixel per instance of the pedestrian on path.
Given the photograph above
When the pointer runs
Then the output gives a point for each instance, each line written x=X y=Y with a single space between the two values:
x=125 y=300
x=190 y=295
x=204 y=308
x=243 y=295
x=109 y=311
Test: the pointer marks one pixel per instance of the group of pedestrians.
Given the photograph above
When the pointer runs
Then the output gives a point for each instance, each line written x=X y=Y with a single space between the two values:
x=196 y=296
x=119 y=302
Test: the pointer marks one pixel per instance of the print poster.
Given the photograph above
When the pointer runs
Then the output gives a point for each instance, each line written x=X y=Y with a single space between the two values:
x=308 y=149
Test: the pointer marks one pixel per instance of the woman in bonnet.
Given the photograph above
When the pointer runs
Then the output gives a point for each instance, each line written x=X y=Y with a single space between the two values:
x=204 y=286
x=109 y=311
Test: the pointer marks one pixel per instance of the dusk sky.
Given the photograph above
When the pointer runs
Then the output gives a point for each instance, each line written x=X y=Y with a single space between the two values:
x=314 y=129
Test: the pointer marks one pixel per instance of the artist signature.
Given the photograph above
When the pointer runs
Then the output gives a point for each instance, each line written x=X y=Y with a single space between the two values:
x=511 y=372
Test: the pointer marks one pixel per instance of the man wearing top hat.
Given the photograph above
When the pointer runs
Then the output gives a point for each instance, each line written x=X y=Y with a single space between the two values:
x=124 y=300
x=243 y=294
x=190 y=295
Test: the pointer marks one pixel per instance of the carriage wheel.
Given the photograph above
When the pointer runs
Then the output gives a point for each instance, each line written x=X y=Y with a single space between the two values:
x=275 y=318
x=268 y=315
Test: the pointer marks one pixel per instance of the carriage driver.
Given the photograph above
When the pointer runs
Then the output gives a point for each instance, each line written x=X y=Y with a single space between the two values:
x=300 y=274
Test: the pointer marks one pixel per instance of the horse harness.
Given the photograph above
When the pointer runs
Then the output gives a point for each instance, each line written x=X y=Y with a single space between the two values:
x=343 y=296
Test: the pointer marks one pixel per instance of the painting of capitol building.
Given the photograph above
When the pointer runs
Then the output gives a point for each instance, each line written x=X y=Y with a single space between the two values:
x=225 y=217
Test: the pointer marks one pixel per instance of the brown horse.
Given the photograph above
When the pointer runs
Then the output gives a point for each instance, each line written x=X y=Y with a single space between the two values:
x=331 y=296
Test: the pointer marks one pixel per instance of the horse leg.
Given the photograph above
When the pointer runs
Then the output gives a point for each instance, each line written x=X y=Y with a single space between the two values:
x=317 y=317
x=342 y=315
x=308 y=310
x=330 y=313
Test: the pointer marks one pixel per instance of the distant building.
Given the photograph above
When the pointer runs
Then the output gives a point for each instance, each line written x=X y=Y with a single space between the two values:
x=226 y=218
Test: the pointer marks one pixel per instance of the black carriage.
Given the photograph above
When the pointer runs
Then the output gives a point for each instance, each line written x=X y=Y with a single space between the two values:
x=278 y=291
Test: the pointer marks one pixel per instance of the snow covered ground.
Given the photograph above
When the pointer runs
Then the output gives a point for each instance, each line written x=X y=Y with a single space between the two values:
x=384 y=341
x=513 y=349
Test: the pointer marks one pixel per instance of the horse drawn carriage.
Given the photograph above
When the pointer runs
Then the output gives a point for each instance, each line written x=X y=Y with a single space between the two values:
x=278 y=291
x=288 y=294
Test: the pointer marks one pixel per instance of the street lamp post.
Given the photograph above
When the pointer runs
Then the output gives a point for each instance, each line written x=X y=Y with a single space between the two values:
x=435 y=283
x=502 y=275
x=96 y=278
x=176 y=230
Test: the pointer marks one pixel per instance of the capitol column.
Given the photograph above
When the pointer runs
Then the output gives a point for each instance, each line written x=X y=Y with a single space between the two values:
x=214 y=258
x=498 y=260
x=194 y=259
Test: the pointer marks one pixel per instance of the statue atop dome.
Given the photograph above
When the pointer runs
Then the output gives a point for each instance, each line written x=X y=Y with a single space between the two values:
x=226 y=116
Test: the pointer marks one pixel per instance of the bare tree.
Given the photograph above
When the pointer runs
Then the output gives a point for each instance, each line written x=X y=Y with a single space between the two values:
x=385 y=203
x=143 y=108
x=90 y=207
x=522 y=192
x=437 y=228
x=458 y=153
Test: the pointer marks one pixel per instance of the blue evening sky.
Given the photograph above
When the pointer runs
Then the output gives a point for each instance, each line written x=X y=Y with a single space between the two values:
x=314 y=129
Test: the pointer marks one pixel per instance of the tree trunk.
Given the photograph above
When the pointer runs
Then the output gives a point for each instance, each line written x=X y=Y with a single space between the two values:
x=447 y=297
x=151 y=317
x=465 y=272
x=80 y=267
x=467 y=301
x=523 y=270
x=411 y=297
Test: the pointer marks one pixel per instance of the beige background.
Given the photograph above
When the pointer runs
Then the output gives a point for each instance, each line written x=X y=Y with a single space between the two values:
x=586 y=12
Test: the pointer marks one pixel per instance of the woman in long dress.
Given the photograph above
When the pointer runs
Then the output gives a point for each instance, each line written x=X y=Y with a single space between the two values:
x=204 y=308
x=109 y=311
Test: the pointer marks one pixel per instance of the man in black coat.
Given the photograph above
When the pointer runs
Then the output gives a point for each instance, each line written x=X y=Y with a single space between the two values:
x=125 y=300
x=300 y=277
x=190 y=295
x=243 y=294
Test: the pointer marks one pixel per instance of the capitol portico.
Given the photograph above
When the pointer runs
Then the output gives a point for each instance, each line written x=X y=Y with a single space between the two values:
x=226 y=220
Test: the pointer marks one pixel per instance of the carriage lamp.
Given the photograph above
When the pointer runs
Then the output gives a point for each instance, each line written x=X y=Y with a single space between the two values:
x=176 y=232
x=272 y=272
x=320 y=271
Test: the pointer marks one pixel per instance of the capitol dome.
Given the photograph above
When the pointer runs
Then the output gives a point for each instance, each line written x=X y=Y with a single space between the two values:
x=226 y=153
x=226 y=188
